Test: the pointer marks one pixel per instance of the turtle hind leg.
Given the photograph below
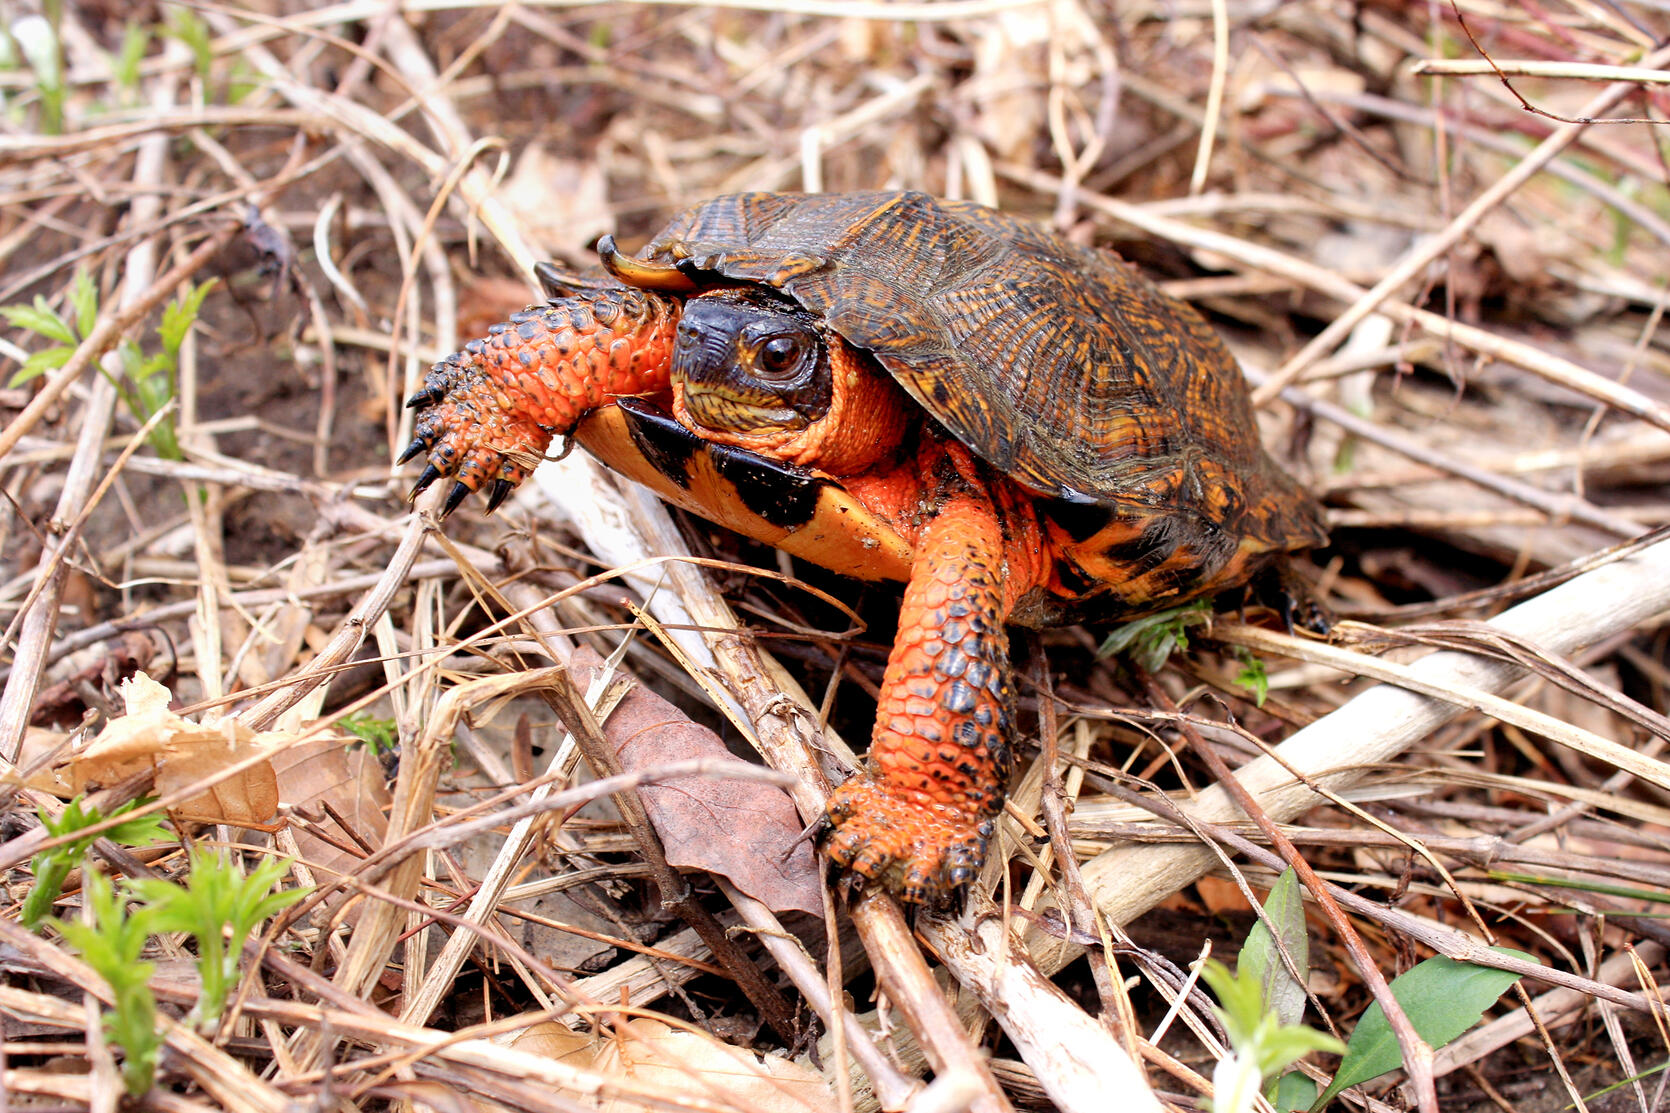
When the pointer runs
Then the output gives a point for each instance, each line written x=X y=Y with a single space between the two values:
x=919 y=817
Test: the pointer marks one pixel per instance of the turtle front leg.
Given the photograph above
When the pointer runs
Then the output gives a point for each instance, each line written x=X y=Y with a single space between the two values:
x=918 y=817
x=489 y=412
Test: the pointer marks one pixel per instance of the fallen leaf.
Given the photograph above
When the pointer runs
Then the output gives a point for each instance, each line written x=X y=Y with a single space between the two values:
x=180 y=752
x=745 y=831
x=564 y=203
x=662 y=1057
x=330 y=770
x=39 y=758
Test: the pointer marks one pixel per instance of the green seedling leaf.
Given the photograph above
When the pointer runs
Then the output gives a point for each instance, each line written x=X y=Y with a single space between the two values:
x=1628 y=892
x=84 y=299
x=1442 y=997
x=112 y=945
x=124 y=67
x=190 y=28
x=51 y=867
x=219 y=908
x=1590 y=1099
x=1253 y=676
x=1152 y=639
x=38 y=364
x=39 y=318
x=1261 y=959
x=179 y=315
x=1295 y=1091
x=379 y=735
x=1261 y=1045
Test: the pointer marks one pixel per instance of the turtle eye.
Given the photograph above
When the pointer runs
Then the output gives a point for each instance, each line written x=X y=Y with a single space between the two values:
x=780 y=355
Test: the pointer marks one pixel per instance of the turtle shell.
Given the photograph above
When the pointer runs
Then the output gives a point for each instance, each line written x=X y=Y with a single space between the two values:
x=1059 y=365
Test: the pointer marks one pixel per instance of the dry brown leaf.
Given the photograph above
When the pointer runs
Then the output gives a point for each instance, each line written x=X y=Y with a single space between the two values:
x=556 y=1041
x=745 y=831
x=659 y=1056
x=564 y=203
x=39 y=758
x=180 y=752
x=327 y=770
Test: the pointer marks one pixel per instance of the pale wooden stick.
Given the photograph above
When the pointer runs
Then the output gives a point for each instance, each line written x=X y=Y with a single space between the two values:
x=1374 y=727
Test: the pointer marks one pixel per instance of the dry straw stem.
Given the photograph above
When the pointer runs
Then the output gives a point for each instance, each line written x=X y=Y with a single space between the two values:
x=1456 y=692
x=1375 y=727
x=1536 y=67
x=1432 y=248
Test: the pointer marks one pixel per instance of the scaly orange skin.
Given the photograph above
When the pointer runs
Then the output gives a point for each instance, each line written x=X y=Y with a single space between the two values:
x=492 y=408
x=919 y=816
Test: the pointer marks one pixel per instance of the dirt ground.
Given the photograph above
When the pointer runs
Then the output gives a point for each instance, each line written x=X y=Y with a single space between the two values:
x=502 y=754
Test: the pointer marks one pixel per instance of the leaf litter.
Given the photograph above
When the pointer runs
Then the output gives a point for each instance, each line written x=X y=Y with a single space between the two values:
x=1498 y=415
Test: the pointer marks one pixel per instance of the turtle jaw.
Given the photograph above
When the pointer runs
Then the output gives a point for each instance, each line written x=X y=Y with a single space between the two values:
x=720 y=411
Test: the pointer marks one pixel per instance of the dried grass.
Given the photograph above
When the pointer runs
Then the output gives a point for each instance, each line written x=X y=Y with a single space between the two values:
x=1433 y=233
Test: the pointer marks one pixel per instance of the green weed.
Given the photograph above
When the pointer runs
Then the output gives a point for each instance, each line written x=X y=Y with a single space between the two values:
x=112 y=943
x=219 y=908
x=378 y=735
x=147 y=383
x=1260 y=1005
x=51 y=867
x=1152 y=639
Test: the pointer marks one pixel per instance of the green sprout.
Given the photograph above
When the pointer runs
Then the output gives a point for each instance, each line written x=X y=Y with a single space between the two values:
x=1152 y=639
x=1260 y=1005
x=147 y=384
x=219 y=908
x=112 y=944
x=1253 y=676
x=52 y=867
x=378 y=735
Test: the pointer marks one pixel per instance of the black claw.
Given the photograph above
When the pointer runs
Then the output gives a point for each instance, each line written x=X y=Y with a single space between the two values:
x=453 y=497
x=418 y=445
x=498 y=492
x=430 y=474
x=424 y=397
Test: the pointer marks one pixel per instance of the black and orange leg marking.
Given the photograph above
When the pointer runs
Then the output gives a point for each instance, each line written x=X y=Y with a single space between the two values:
x=918 y=817
x=489 y=412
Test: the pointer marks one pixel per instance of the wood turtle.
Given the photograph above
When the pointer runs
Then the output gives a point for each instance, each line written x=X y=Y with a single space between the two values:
x=897 y=387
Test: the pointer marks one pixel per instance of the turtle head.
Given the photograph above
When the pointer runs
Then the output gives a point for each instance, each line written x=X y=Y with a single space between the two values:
x=749 y=361
x=754 y=369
